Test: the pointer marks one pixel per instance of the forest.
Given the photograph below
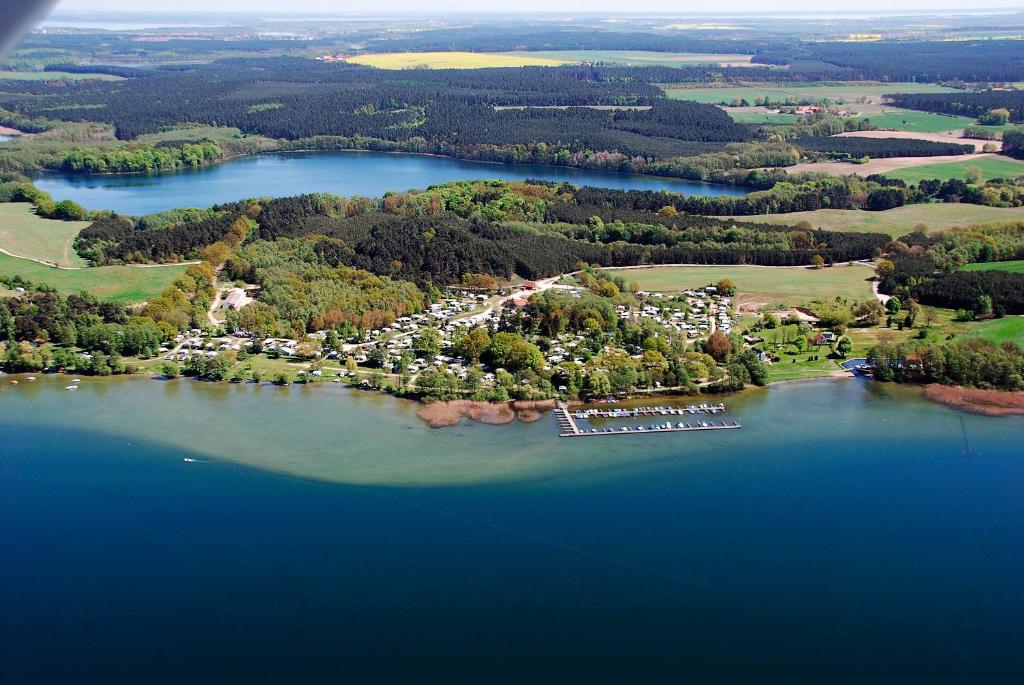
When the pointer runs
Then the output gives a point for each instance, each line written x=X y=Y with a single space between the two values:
x=920 y=61
x=438 y=235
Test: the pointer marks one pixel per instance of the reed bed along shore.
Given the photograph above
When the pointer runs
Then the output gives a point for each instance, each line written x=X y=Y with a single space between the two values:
x=441 y=414
x=977 y=401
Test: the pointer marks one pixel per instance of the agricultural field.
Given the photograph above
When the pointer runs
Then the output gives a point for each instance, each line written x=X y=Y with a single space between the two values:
x=895 y=222
x=919 y=122
x=1015 y=266
x=118 y=283
x=54 y=76
x=25 y=234
x=639 y=58
x=991 y=166
x=837 y=91
x=479 y=60
x=760 y=285
x=451 y=60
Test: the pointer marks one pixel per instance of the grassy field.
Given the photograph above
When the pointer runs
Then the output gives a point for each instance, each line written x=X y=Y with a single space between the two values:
x=117 y=283
x=757 y=115
x=991 y=167
x=895 y=222
x=54 y=76
x=25 y=234
x=999 y=330
x=479 y=60
x=761 y=285
x=1016 y=266
x=920 y=122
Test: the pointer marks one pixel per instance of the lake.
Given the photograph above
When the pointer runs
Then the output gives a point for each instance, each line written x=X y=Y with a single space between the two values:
x=326 y=534
x=343 y=173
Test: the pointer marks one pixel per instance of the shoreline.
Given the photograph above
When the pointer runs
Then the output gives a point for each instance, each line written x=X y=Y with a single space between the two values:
x=448 y=413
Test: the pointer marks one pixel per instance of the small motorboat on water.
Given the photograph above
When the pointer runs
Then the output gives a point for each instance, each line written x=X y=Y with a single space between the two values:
x=188 y=460
x=71 y=387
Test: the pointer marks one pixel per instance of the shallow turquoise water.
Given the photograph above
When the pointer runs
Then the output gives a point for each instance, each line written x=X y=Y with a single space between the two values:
x=841 y=536
x=343 y=173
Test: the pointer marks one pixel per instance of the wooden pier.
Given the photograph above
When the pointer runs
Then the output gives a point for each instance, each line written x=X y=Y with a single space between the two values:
x=568 y=428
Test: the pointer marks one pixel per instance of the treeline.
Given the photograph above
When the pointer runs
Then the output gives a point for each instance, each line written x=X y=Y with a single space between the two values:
x=963 y=290
x=973 y=363
x=921 y=61
x=140 y=158
x=965 y=103
x=879 y=148
x=835 y=193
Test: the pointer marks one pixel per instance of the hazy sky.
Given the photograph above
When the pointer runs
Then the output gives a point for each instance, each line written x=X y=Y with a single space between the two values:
x=672 y=6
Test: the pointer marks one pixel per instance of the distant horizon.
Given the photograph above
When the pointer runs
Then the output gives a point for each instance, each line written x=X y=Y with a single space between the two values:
x=533 y=7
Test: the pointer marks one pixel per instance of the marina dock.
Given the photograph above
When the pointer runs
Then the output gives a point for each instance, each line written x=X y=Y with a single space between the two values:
x=568 y=428
x=637 y=412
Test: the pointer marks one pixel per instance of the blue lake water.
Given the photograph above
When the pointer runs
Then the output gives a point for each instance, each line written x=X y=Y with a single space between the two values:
x=343 y=173
x=326 y=535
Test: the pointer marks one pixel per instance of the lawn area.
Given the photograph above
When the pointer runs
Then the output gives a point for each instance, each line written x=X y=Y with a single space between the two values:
x=895 y=222
x=999 y=330
x=54 y=76
x=991 y=167
x=451 y=60
x=117 y=283
x=26 y=234
x=1016 y=266
x=760 y=285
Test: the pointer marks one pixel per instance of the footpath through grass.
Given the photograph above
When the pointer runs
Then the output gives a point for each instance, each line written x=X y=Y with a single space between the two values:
x=24 y=233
